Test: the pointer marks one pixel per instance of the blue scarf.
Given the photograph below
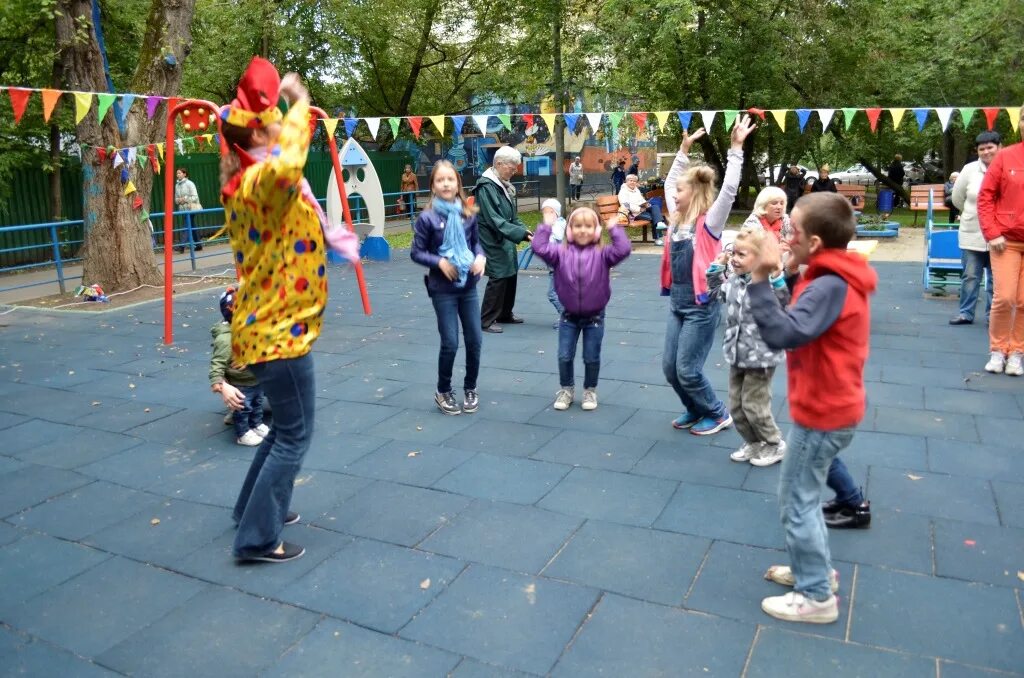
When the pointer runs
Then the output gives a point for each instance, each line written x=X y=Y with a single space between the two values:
x=454 y=248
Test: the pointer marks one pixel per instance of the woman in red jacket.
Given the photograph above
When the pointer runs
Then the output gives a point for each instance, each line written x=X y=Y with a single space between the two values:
x=1001 y=214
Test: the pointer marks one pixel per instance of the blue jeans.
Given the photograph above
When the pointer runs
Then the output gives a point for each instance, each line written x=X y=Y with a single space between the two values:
x=808 y=455
x=688 y=339
x=975 y=263
x=841 y=482
x=552 y=295
x=451 y=309
x=569 y=329
x=251 y=414
x=267 y=491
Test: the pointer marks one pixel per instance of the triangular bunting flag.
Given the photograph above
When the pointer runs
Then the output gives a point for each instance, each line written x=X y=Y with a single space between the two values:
x=549 y=120
x=137 y=202
x=640 y=119
x=105 y=102
x=759 y=112
x=438 y=121
x=662 y=118
x=330 y=124
x=944 y=115
x=922 y=116
x=124 y=175
x=143 y=216
x=873 y=114
x=802 y=116
x=119 y=159
x=101 y=153
x=83 y=101
x=129 y=188
x=825 y=115
x=1014 y=115
x=684 y=118
x=966 y=114
x=708 y=117
x=130 y=154
x=394 y=123
x=141 y=158
x=570 y=121
x=458 y=121
x=779 y=115
x=528 y=119
x=614 y=119
x=374 y=125
x=594 y=120
x=897 y=116
x=730 y=118
x=415 y=123
x=19 y=100
x=151 y=103
x=506 y=120
x=848 y=114
x=481 y=123
x=350 y=126
x=990 y=116
x=180 y=143
x=126 y=104
x=50 y=99
x=153 y=162
x=160 y=150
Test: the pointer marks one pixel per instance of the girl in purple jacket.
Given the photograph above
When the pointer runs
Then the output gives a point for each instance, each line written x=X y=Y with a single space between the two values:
x=583 y=283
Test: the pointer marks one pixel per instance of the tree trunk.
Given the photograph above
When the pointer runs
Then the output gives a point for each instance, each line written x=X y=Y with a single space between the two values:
x=877 y=171
x=559 y=87
x=118 y=253
x=56 y=199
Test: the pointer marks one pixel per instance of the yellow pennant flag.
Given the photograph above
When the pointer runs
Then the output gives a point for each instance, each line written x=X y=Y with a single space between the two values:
x=129 y=188
x=160 y=149
x=897 y=116
x=1014 y=115
x=662 y=117
x=549 y=120
x=330 y=124
x=83 y=102
x=438 y=121
x=780 y=117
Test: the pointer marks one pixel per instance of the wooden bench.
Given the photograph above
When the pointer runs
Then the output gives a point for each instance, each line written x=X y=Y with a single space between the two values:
x=919 y=199
x=855 y=194
x=608 y=207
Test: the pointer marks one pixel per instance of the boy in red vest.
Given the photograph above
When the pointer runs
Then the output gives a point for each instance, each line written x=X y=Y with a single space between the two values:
x=825 y=331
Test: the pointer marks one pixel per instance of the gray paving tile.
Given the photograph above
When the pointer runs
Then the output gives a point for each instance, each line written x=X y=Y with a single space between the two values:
x=594 y=450
x=724 y=513
x=924 y=423
x=984 y=631
x=502 y=437
x=887 y=449
x=605 y=419
x=997 y=430
x=8 y=464
x=215 y=480
x=346 y=417
x=880 y=394
x=971 y=402
x=502 y=618
x=633 y=638
x=408 y=463
x=927 y=377
x=424 y=426
x=1010 y=499
x=694 y=463
x=35 y=563
x=655 y=424
x=641 y=563
x=37 y=658
x=653 y=397
x=896 y=539
x=487 y=476
x=85 y=510
x=31 y=485
x=606 y=495
x=184 y=428
x=934 y=495
x=975 y=460
x=51 y=404
x=471 y=668
x=317 y=492
x=9 y=533
x=979 y=553
x=146 y=465
x=251 y=634
x=804 y=655
x=520 y=538
x=951 y=670
x=124 y=414
x=9 y=419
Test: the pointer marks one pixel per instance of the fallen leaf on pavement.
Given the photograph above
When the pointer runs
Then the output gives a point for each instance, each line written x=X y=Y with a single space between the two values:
x=913 y=477
x=425 y=584
x=155 y=521
x=414 y=453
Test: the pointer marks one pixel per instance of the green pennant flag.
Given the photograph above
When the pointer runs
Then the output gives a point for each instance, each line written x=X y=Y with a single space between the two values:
x=966 y=114
x=730 y=118
x=143 y=216
x=105 y=102
x=848 y=113
x=140 y=157
x=394 y=122
x=506 y=120
x=614 y=119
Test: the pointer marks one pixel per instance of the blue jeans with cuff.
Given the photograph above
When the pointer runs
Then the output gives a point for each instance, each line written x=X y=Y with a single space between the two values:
x=975 y=264
x=569 y=329
x=251 y=414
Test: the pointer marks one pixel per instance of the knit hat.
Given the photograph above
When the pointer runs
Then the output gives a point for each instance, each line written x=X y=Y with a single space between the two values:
x=227 y=303
x=553 y=204
x=256 y=104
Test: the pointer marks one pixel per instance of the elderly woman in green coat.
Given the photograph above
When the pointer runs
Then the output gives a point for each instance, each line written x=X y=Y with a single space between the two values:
x=500 y=232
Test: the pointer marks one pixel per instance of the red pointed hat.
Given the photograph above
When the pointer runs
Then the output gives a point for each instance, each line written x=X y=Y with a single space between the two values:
x=256 y=102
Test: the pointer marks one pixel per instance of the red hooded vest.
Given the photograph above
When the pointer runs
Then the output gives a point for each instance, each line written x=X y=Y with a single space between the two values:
x=826 y=376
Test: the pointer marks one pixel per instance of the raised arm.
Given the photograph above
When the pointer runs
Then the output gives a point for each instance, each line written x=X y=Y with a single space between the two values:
x=718 y=214
x=679 y=166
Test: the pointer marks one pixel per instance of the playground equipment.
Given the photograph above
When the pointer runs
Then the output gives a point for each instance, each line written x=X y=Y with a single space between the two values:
x=356 y=174
x=943 y=263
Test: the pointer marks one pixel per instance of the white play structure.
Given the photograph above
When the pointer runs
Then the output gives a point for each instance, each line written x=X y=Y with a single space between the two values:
x=360 y=178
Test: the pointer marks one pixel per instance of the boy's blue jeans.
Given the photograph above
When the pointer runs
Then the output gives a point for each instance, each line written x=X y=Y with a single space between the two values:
x=451 y=309
x=251 y=414
x=841 y=482
x=975 y=264
x=267 y=491
x=552 y=295
x=809 y=453
x=569 y=329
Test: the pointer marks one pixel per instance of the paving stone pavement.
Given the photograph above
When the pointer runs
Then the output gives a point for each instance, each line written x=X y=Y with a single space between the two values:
x=516 y=541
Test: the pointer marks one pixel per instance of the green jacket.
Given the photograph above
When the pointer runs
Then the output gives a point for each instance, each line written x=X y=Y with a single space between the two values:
x=220 y=362
x=500 y=229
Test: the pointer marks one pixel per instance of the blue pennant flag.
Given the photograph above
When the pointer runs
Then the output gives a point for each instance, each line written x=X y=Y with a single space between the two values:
x=122 y=111
x=922 y=115
x=802 y=116
x=124 y=175
x=350 y=125
x=458 y=121
x=684 y=118
x=570 y=121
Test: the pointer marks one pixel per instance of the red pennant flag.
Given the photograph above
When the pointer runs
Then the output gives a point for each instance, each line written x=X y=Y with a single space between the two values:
x=415 y=121
x=640 y=118
x=19 y=100
x=102 y=153
x=990 y=116
x=137 y=203
x=873 y=114
x=153 y=162
x=758 y=112
x=528 y=119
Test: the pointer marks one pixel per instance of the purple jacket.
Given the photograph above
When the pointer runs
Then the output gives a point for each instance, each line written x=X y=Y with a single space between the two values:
x=581 y=273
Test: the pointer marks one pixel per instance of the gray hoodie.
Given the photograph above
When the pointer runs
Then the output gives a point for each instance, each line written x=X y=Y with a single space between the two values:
x=743 y=346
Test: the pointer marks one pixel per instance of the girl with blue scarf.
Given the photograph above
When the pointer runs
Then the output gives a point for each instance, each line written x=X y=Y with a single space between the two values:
x=445 y=240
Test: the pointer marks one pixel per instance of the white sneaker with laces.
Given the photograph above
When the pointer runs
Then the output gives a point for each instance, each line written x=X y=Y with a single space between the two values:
x=1015 y=365
x=783 y=574
x=262 y=430
x=795 y=607
x=250 y=439
x=589 y=399
x=563 y=399
x=769 y=454
x=996 y=362
x=747 y=452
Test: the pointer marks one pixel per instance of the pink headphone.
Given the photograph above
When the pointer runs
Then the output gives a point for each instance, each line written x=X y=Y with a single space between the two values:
x=568 y=231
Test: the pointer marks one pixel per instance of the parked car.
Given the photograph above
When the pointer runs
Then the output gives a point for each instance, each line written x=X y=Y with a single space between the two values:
x=770 y=176
x=854 y=174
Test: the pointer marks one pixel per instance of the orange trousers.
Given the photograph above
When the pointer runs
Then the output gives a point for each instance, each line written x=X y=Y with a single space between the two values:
x=1006 y=323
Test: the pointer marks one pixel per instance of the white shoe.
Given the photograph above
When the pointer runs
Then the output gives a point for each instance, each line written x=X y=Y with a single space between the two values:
x=795 y=607
x=747 y=452
x=251 y=439
x=783 y=574
x=262 y=430
x=769 y=454
x=589 y=399
x=563 y=399
x=1014 y=366
x=996 y=362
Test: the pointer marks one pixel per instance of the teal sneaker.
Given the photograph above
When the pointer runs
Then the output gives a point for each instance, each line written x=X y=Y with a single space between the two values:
x=685 y=420
x=709 y=425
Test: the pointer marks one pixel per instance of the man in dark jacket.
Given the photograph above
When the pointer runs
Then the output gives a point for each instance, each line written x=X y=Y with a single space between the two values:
x=500 y=231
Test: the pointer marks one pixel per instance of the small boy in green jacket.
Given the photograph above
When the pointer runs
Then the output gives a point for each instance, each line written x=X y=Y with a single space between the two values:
x=238 y=388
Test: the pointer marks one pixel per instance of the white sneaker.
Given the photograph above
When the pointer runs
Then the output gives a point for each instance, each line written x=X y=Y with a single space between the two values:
x=262 y=430
x=996 y=362
x=769 y=454
x=589 y=399
x=564 y=398
x=747 y=452
x=795 y=607
x=1014 y=366
x=783 y=574
x=251 y=439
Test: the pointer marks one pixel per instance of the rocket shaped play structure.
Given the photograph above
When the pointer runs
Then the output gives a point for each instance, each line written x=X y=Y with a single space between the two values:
x=360 y=178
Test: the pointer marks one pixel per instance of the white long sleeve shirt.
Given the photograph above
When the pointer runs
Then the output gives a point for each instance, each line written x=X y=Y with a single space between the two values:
x=718 y=214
